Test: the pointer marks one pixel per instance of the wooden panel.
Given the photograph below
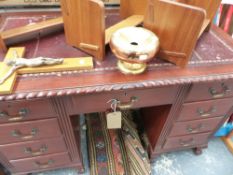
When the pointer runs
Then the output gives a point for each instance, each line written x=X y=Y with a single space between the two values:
x=13 y=111
x=197 y=126
x=32 y=130
x=132 y=7
x=206 y=109
x=186 y=141
x=212 y=90
x=85 y=25
x=33 y=148
x=130 y=21
x=40 y=163
x=177 y=25
x=7 y=86
x=145 y=98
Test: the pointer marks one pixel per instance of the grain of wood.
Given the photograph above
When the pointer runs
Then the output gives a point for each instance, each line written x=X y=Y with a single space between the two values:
x=177 y=25
x=84 y=23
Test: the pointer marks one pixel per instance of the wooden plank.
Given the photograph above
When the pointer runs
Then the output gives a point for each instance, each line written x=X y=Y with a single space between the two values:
x=228 y=142
x=177 y=25
x=27 y=32
x=68 y=64
x=8 y=85
x=130 y=21
x=85 y=25
x=132 y=7
x=2 y=44
x=205 y=25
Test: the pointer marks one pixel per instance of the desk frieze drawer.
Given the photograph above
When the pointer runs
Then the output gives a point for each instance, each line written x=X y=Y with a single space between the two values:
x=206 y=109
x=186 y=141
x=41 y=163
x=24 y=131
x=33 y=148
x=126 y=99
x=196 y=126
x=212 y=90
x=25 y=110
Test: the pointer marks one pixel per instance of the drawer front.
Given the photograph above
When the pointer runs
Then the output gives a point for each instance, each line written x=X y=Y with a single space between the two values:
x=33 y=148
x=186 y=141
x=25 y=110
x=21 y=132
x=202 y=110
x=212 y=90
x=41 y=163
x=126 y=99
x=197 y=126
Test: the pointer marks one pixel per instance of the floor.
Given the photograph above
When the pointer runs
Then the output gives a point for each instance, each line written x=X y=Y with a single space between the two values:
x=215 y=160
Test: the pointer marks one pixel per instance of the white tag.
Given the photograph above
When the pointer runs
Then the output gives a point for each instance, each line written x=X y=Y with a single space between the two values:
x=114 y=120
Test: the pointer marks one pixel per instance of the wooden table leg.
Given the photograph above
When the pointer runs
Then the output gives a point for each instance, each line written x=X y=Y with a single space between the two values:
x=228 y=142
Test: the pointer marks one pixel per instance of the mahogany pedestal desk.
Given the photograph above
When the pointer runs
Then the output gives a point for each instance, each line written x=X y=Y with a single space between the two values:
x=181 y=108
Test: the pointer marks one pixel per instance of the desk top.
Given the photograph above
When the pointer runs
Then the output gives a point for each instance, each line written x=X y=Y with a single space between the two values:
x=212 y=60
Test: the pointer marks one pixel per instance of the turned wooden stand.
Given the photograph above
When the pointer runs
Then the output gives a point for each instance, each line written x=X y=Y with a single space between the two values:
x=181 y=108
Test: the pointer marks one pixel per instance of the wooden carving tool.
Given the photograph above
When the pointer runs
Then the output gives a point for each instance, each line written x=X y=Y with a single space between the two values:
x=177 y=25
x=68 y=64
x=85 y=25
x=210 y=6
x=132 y=7
x=27 y=32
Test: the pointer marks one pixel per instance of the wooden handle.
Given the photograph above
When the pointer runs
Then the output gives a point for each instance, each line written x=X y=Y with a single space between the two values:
x=20 y=116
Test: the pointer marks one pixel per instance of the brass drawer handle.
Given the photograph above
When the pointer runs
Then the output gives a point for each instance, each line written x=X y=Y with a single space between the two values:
x=186 y=143
x=127 y=105
x=195 y=130
x=42 y=150
x=203 y=113
x=20 y=116
x=215 y=94
x=44 y=165
x=17 y=133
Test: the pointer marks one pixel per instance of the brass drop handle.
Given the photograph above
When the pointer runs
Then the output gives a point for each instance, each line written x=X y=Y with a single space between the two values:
x=42 y=150
x=195 y=130
x=127 y=105
x=17 y=133
x=44 y=165
x=186 y=143
x=203 y=113
x=20 y=116
x=215 y=94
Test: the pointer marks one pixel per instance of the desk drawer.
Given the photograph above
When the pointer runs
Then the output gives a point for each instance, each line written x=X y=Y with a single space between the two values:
x=197 y=126
x=41 y=163
x=33 y=148
x=212 y=90
x=206 y=109
x=129 y=99
x=21 y=132
x=25 y=110
x=186 y=141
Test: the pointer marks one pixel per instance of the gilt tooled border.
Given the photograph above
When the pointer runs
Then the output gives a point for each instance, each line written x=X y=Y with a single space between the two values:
x=115 y=87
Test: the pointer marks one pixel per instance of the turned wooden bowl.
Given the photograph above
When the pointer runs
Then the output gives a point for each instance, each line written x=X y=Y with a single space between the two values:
x=134 y=47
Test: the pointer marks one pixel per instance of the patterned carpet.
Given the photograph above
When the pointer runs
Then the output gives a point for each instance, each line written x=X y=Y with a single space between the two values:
x=216 y=160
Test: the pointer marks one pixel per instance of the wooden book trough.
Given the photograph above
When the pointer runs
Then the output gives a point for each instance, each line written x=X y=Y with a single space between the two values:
x=84 y=22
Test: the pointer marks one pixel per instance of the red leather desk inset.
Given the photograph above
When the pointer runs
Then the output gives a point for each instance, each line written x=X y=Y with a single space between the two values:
x=181 y=108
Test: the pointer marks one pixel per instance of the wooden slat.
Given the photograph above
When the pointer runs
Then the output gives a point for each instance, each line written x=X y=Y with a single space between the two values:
x=27 y=32
x=130 y=21
x=85 y=25
x=132 y=7
x=8 y=85
x=177 y=25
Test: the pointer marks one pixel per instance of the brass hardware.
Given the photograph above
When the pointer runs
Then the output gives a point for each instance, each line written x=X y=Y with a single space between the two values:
x=203 y=113
x=195 y=130
x=42 y=150
x=20 y=116
x=186 y=143
x=127 y=105
x=17 y=133
x=131 y=68
x=44 y=165
x=215 y=94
